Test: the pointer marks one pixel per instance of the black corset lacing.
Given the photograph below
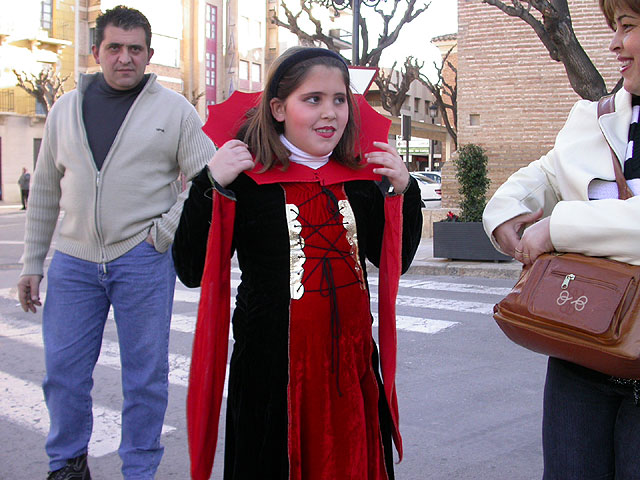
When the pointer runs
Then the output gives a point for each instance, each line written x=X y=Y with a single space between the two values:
x=326 y=256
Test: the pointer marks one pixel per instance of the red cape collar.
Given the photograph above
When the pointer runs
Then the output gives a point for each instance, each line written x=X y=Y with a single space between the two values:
x=328 y=174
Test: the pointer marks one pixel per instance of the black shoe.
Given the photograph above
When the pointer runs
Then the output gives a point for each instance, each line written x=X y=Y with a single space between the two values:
x=75 y=469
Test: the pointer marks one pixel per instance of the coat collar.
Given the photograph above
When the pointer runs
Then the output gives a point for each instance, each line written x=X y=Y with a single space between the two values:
x=87 y=78
x=329 y=174
x=615 y=126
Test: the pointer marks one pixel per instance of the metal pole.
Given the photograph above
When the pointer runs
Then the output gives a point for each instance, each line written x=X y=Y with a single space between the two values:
x=355 y=36
x=407 y=154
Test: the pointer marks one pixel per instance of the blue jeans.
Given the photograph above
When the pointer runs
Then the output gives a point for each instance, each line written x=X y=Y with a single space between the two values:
x=591 y=426
x=140 y=286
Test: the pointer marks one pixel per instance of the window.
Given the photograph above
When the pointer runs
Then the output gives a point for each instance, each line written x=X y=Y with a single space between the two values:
x=166 y=50
x=474 y=119
x=210 y=22
x=211 y=53
x=46 y=14
x=256 y=72
x=416 y=104
x=243 y=70
x=92 y=37
x=40 y=108
x=36 y=150
x=210 y=71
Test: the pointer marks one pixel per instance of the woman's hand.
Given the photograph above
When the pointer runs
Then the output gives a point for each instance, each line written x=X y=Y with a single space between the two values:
x=508 y=234
x=535 y=241
x=391 y=164
x=229 y=161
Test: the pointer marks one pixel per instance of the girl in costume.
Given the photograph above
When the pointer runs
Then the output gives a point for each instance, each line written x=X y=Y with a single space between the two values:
x=303 y=213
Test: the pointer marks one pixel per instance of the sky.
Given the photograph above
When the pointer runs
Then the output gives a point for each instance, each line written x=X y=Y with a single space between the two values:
x=415 y=38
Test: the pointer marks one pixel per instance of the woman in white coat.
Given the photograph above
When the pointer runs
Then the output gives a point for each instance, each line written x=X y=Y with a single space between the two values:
x=568 y=202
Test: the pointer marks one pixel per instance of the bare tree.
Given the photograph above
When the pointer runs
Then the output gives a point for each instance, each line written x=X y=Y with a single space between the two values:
x=46 y=87
x=394 y=86
x=193 y=97
x=445 y=94
x=394 y=94
x=551 y=21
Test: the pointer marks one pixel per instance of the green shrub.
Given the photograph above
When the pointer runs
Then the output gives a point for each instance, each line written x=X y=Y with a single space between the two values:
x=471 y=165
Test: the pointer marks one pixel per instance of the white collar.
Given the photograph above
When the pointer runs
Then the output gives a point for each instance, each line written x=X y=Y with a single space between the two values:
x=303 y=158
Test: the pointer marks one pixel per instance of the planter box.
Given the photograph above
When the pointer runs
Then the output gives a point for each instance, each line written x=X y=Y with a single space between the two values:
x=464 y=241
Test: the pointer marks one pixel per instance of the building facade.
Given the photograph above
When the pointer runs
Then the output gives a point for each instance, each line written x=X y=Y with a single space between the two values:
x=512 y=97
x=57 y=35
x=204 y=49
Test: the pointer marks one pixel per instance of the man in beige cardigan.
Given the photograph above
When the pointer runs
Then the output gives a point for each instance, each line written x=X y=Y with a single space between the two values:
x=110 y=159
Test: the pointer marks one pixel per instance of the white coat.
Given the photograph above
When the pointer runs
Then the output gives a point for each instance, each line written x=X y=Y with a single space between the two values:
x=558 y=182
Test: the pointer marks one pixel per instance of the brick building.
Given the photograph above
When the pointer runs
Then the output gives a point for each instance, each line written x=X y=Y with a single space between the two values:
x=512 y=97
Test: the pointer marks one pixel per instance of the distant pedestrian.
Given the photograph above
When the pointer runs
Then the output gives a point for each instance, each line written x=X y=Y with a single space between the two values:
x=110 y=158
x=24 y=181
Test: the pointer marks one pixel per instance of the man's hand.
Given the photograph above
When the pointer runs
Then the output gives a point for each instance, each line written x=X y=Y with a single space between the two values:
x=29 y=292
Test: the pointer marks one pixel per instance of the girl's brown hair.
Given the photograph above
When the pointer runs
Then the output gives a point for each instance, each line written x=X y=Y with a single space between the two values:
x=609 y=8
x=262 y=132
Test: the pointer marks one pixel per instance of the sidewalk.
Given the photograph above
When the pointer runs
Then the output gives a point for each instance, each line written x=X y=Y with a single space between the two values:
x=425 y=264
x=9 y=207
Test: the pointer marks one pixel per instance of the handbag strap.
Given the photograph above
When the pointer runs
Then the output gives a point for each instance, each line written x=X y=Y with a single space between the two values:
x=607 y=105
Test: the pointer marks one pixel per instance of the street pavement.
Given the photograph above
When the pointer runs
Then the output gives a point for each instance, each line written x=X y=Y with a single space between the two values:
x=424 y=262
x=470 y=401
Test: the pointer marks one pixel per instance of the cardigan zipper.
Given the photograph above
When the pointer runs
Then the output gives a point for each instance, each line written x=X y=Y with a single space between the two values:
x=95 y=216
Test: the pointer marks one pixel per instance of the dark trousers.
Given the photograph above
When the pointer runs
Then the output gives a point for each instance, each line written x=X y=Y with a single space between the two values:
x=24 y=194
x=591 y=426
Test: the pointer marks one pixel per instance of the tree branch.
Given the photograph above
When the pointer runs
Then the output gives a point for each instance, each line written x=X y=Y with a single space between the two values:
x=46 y=87
x=556 y=33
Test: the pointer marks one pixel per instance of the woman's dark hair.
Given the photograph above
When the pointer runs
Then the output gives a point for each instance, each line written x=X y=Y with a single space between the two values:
x=262 y=132
x=609 y=8
x=125 y=18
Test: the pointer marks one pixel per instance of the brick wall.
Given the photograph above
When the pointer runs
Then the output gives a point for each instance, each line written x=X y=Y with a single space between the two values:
x=523 y=97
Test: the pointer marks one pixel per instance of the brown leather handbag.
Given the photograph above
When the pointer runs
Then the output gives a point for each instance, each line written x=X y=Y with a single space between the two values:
x=578 y=308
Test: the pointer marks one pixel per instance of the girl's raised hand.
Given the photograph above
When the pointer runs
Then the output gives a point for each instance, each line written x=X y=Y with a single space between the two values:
x=391 y=165
x=229 y=161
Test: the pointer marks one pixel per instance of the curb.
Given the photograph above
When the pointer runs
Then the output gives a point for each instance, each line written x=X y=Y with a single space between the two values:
x=501 y=270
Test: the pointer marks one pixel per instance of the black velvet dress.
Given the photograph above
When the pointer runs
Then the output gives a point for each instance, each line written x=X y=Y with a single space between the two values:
x=301 y=402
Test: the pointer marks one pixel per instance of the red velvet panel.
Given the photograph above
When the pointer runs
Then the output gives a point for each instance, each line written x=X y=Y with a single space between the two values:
x=210 y=344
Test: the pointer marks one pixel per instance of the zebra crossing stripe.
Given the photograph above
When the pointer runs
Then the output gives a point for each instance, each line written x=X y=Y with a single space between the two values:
x=22 y=403
x=441 y=304
x=30 y=334
x=448 y=286
x=418 y=325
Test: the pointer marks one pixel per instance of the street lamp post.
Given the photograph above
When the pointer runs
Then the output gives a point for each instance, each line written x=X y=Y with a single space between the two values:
x=355 y=34
x=433 y=113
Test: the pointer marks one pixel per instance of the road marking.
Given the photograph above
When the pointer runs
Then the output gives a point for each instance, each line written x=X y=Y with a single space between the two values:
x=30 y=334
x=22 y=403
x=441 y=304
x=418 y=325
x=186 y=323
x=448 y=286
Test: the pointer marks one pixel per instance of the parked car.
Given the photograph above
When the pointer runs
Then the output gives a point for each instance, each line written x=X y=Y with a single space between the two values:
x=432 y=175
x=429 y=189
